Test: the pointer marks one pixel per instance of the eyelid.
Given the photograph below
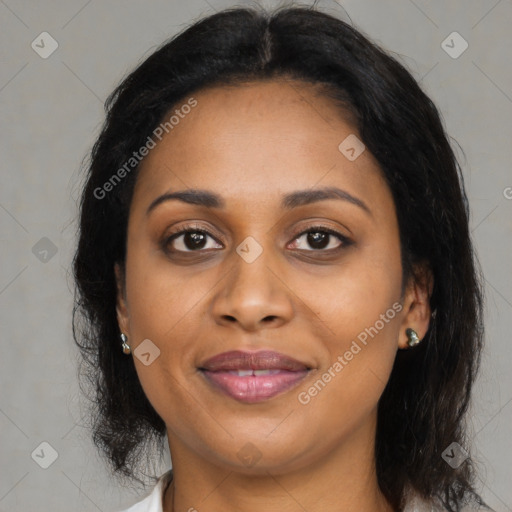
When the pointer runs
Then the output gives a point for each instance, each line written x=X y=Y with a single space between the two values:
x=192 y=226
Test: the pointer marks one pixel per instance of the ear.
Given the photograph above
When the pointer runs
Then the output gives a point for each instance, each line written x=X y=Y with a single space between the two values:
x=123 y=317
x=416 y=305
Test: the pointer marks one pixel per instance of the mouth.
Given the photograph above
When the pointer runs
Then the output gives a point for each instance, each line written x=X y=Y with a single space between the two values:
x=253 y=377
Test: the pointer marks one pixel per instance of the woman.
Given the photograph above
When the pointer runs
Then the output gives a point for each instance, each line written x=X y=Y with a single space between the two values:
x=274 y=270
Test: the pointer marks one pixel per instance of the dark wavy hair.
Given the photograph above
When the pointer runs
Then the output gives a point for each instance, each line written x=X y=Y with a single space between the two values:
x=423 y=407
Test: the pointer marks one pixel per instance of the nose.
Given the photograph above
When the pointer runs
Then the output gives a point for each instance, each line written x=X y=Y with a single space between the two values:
x=253 y=295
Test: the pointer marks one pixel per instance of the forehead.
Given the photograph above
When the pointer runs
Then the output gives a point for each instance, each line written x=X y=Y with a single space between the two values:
x=256 y=140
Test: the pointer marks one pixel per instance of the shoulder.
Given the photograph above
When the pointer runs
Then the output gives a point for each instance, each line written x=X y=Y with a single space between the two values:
x=153 y=501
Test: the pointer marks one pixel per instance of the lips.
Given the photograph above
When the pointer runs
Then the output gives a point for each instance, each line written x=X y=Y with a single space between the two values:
x=263 y=360
x=253 y=376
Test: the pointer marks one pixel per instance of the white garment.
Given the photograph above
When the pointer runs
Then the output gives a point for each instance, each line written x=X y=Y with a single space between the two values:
x=153 y=502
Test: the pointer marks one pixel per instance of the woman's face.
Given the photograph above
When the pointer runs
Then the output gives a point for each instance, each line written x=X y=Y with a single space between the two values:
x=317 y=280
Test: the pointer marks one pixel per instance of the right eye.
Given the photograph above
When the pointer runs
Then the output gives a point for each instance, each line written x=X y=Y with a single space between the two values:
x=188 y=239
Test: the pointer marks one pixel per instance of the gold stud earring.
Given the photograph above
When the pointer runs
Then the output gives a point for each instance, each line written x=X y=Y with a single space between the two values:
x=126 y=347
x=412 y=337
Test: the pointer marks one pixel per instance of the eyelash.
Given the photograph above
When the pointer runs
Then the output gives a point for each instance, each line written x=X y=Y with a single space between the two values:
x=194 y=228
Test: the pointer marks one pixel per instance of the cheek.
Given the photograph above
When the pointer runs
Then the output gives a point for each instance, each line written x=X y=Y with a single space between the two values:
x=360 y=307
x=354 y=296
x=360 y=351
x=162 y=297
x=163 y=306
x=163 y=309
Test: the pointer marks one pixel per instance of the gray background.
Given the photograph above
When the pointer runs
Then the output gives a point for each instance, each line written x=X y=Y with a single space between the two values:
x=51 y=111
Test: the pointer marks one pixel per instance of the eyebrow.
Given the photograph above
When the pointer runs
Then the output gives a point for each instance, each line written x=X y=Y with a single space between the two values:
x=291 y=200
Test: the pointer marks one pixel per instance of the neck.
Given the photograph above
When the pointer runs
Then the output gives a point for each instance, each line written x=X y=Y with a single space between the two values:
x=344 y=479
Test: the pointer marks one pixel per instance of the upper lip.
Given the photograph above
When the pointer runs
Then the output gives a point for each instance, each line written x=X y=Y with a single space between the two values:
x=261 y=360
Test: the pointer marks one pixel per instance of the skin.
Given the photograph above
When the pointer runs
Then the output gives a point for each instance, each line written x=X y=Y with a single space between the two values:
x=251 y=144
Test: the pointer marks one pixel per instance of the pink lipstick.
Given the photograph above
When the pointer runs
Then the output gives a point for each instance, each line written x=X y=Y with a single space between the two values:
x=253 y=376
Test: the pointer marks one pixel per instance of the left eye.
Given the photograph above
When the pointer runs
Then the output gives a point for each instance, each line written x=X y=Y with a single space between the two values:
x=321 y=239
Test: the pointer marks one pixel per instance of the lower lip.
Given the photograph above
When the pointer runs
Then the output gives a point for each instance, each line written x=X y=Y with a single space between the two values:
x=252 y=388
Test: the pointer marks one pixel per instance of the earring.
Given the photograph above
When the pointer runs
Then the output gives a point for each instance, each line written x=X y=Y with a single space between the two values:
x=412 y=337
x=126 y=347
